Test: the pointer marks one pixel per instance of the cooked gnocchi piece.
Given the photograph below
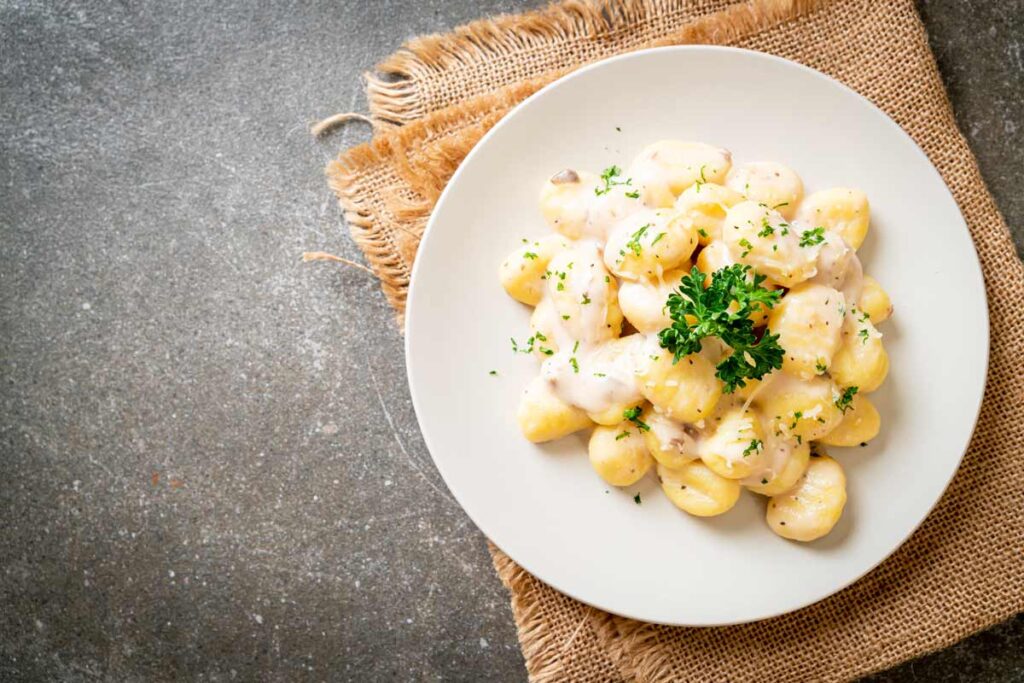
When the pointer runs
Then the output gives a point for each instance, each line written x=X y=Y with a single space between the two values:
x=643 y=302
x=813 y=506
x=861 y=423
x=686 y=390
x=841 y=209
x=648 y=243
x=703 y=206
x=585 y=296
x=761 y=238
x=663 y=170
x=618 y=454
x=803 y=410
x=735 y=448
x=784 y=464
x=522 y=273
x=809 y=322
x=672 y=443
x=723 y=377
x=874 y=301
x=775 y=185
x=543 y=416
x=693 y=487
x=861 y=360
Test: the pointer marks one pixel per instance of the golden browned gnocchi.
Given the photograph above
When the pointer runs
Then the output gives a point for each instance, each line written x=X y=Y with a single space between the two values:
x=618 y=454
x=809 y=323
x=813 y=506
x=708 y=320
x=874 y=301
x=861 y=423
x=693 y=487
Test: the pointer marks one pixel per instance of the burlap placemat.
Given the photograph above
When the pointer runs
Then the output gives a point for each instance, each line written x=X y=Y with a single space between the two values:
x=964 y=568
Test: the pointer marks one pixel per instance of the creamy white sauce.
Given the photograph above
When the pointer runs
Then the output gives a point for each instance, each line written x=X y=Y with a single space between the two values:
x=675 y=437
x=605 y=210
x=594 y=378
x=839 y=267
x=777 y=452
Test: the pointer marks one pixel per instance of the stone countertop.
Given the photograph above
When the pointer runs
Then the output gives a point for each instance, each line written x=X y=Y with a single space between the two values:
x=211 y=466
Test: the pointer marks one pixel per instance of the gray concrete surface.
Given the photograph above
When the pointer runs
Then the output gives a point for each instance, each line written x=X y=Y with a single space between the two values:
x=211 y=469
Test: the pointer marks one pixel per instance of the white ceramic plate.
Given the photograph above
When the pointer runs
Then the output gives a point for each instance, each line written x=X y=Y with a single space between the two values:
x=543 y=505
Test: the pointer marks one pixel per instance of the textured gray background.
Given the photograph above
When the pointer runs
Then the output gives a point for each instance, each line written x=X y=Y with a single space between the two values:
x=210 y=465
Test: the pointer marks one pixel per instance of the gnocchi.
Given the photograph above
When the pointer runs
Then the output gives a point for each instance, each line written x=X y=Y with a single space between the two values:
x=707 y=321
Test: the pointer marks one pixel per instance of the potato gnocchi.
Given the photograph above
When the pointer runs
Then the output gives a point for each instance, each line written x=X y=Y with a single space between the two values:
x=708 y=322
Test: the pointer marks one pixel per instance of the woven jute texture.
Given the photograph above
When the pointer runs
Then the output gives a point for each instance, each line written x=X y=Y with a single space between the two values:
x=964 y=568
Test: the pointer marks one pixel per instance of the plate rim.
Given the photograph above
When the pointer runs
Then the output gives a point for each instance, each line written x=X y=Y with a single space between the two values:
x=751 y=54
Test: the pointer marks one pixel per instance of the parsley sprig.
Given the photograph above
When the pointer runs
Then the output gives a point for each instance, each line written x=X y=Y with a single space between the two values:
x=714 y=316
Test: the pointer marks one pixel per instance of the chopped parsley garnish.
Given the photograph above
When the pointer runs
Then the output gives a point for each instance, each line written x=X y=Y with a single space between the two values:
x=812 y=237
x=575 y=365
x=636 y=499
x=844 y=401
x=622 y=435
x=864 y=335
x=634 y=241
x=560 y=286
x=576 y=346
x=820 y=366
x=546 y=352
x=586 y=299
x=785 y=229
x=754 y=447
x=635 y=194
x=600 y=374
x=702 y=232
x=530 y=255
x=767 y=228
x=519 y=348
x=633 y=415
x=745 y=243
x=658 y=237
x=493 y=373
x=565 y=317
x=609 y=177
x=752 y=358
x=780 y=205
x=702 y=179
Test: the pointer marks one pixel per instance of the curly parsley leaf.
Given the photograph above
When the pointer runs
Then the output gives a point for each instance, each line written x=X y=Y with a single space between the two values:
x=697 y=313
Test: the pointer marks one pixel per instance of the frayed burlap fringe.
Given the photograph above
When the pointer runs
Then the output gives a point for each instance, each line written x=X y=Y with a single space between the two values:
x=962 y=570
x=541 y=42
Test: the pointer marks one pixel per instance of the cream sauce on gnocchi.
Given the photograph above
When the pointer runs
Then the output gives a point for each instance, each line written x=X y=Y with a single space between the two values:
x=628 y=240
